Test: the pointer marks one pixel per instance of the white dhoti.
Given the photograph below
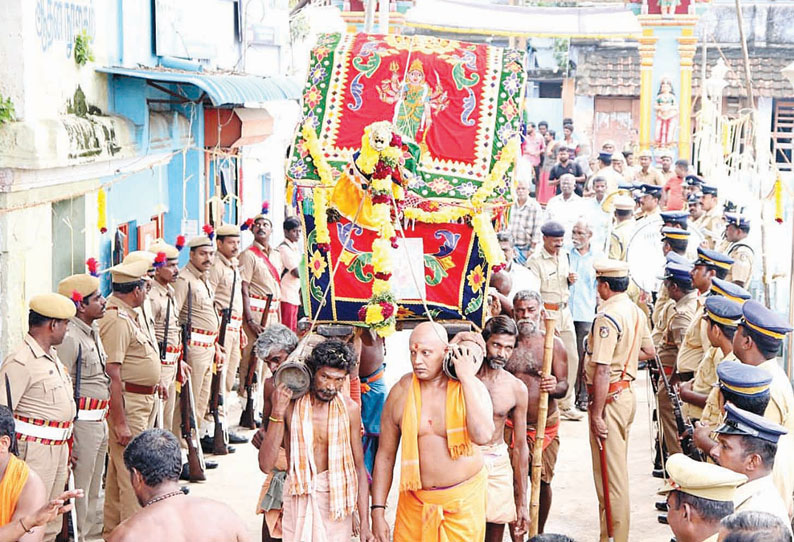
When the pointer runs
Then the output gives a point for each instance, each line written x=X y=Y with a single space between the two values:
x=307 y=518
x=500 y=504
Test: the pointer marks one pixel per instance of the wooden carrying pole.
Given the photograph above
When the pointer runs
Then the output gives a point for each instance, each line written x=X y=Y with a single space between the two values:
x=543 y=411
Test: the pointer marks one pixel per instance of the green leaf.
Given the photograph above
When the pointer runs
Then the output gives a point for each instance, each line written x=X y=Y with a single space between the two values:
x=317 y=292
x=357 y=267
x=474 y=304
x=437 y=272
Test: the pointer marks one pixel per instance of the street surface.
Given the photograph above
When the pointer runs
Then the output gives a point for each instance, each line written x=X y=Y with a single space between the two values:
x=237 y=481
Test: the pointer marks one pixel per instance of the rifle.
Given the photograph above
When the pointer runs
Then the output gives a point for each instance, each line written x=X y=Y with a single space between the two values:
x=189 y=427
x=216 y=388
x=247 y=415
x=164 y=343
x=78 y=371
x=63 y=536
x=10 y=404
x=684 y=426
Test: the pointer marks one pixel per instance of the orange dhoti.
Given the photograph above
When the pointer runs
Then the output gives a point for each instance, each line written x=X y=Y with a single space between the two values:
x=453 y=514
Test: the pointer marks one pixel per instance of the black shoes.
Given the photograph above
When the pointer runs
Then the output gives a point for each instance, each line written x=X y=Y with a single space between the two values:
x=662 y=518
x=658 y=473
x=661 y=506
x=235 y=438
x=208 y=446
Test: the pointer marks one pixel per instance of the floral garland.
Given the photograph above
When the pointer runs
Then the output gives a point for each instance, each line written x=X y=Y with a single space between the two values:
x=383 y=167
x=320 y=193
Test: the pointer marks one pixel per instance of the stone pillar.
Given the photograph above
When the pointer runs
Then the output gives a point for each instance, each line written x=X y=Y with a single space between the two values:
x=647 y=49
x=687 y=43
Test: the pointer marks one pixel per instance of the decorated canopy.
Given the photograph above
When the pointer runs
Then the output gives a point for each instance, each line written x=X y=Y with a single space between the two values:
x=405 y=154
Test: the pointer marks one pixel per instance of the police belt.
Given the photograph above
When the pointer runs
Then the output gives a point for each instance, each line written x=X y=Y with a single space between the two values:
x=92 y=410
x=42 y=431
x=615 y=389
x=171 y=354
x=139 y=389
x=555 y=306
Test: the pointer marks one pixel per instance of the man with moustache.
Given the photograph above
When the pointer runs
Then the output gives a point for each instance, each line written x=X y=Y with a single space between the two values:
x=260 y=272
x=204 y=349
x=161 y=297
x=82 y=345
x=40 y=392
x=224 y=278
x=440 y=421
x=507 y=486
x=320 y=432
x=133 y=365
x=526 y=364
x=552 y=268
x=290 y=278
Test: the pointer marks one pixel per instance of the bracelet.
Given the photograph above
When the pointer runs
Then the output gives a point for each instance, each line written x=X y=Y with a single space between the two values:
x=28 y=531
x=275 y=420
x=374 y=506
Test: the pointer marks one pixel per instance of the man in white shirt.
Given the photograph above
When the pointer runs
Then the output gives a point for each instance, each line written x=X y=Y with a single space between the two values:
x=520 y=276
x=290 y=278
x=567 y=207
x=598 y=219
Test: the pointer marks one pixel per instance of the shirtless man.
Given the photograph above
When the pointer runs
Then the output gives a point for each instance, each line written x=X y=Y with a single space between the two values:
x=320 y=432
x=168 y=515
x=442 y=478
x=371 y=369
x=507 y=487
x=526 y=364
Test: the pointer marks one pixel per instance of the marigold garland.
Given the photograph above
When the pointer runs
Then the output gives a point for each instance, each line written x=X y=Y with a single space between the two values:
x=383 y=168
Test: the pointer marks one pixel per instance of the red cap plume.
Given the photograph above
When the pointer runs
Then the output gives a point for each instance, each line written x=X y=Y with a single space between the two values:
x=77 y=297
x=180 y=242
x=247 y=224
x=209 y=231
x=159 y=260
x=265 y=207
x=93 y=266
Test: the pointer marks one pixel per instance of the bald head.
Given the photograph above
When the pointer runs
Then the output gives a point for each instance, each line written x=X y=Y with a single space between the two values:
x=428 y=344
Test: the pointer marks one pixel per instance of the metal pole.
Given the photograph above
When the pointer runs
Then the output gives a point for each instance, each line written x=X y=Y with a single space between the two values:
x=383 y=17
x=746 y=57
x=369 y=15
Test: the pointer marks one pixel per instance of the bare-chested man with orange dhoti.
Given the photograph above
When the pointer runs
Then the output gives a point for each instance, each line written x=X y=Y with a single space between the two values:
x=526 y=364
x=439 y=420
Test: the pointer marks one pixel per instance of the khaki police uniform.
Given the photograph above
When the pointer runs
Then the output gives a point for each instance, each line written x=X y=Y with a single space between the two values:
x=652 y=176
x=670 y=342
x=696 y=341
x=223 y=275
x=161 y=298
x=742 y=266
x=129 y=344
x=90 y=444
x=619 y=331
x=262 y=280
x=203 y=334
x=781 y=410
x=619 y=239
x=552 y=272
x=706 y=378
x=43 y=406
x=712 y=225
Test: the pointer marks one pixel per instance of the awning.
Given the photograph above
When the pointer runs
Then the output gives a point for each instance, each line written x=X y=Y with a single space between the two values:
x=221 y=89
x=465 y=17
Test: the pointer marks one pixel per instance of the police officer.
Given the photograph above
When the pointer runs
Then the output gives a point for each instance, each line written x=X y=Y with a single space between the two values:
x=649 y=204
x=224 y=275
x=757 y=342
x=145 y=310
x=674 y=219
x=735 y=245
x=722 y=315
x=133 y=365
x=710 y=224
x=618 y=337
x=747 y=444
x=163 y=305
x=90 y=439
x=678 y=282
x=550 y=267
x=41 y=395
x=698 y=497
x=260 y=270
x=623 y=228
x=204 y=349
x=709 y=264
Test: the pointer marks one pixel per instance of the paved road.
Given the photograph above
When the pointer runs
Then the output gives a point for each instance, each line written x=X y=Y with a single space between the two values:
x=574 y=512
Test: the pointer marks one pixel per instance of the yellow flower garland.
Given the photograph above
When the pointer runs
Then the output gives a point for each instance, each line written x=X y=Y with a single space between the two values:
x=320 y=195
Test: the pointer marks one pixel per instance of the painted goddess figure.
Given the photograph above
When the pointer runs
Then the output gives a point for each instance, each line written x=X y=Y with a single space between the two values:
x=666 y=114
